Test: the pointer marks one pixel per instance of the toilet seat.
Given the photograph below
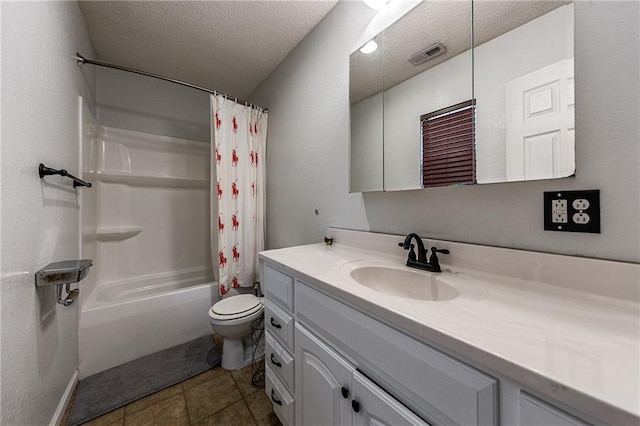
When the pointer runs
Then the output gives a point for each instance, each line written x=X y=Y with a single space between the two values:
x=235 y=307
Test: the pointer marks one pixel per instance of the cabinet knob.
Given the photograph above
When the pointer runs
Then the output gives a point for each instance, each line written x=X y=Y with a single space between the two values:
x=276 y=325
x=276 y=363
x=345 y=392
x=355 y=405
x=273 y=397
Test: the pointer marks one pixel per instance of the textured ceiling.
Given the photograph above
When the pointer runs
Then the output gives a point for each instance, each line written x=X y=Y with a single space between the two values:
x=447 y=22
x=229 y=46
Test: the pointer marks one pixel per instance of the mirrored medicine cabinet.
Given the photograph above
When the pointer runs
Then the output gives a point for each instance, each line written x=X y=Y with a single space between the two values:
x=465 y=92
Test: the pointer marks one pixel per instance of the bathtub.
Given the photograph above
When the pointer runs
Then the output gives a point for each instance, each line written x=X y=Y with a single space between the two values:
x=125 y=320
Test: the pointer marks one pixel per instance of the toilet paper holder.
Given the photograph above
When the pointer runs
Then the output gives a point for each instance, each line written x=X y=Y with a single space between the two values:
x=62 y=275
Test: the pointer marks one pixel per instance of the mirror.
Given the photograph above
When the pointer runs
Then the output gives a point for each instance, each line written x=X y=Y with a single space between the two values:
x=524 y=88
x=412 y=126
x=366 y=89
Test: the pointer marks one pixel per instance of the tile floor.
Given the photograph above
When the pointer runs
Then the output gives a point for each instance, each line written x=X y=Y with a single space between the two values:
x=215 y=397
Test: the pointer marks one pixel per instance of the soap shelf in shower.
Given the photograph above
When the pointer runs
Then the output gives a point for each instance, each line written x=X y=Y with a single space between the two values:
x=62 y=275
x=140 y=179
x=117 y=233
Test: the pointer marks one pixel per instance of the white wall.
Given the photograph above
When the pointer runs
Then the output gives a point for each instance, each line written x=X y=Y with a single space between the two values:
x=308 y=101
x=144 y=104
x=40 y=87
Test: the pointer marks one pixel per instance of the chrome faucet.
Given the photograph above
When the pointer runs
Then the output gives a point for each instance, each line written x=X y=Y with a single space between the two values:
x=420 y=262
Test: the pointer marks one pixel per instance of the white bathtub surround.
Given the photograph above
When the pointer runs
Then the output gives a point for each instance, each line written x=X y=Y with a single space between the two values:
x=238 y=147
x=544 y=321
x=152 y=207
x=147 y=223
x=89 y=138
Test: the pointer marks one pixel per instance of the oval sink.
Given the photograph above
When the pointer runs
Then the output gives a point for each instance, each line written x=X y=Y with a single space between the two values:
x=403 y=282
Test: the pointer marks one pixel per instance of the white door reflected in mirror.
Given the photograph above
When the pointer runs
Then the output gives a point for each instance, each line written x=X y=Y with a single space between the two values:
x=540 y=123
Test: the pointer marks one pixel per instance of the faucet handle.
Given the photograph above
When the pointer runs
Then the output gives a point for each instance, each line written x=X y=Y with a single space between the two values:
x=433 y=259
x=437 y=250
x=412 y=254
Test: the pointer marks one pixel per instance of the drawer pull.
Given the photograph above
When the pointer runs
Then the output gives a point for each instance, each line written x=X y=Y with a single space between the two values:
x=276 y=325
x=355 y=405
x=345 y=392
x=274 y=362
x=273 y=397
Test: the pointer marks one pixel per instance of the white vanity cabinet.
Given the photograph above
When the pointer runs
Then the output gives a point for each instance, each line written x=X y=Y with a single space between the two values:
x=329 y=363
x=315 y=345
x=279 y=342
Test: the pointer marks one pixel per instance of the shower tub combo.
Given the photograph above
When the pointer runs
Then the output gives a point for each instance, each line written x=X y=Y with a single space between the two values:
x=145 y=223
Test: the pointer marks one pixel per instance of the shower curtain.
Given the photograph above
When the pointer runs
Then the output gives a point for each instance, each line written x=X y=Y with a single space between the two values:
x=238 y=145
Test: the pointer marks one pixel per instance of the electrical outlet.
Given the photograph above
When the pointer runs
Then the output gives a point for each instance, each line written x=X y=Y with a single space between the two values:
x=559 y=206
x=581 y=218
x=559 y=211
x=581 y=204
x=572 y=211
x=560 y=218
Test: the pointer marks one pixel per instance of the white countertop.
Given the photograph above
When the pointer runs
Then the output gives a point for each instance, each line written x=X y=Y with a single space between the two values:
x=579 y=348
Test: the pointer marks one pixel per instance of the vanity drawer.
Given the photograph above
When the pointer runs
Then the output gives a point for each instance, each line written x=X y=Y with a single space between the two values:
x=278 y=286
x=534 y=412
x=434 y=385
x=283 y=403
x=280 y=361
x=280 y=324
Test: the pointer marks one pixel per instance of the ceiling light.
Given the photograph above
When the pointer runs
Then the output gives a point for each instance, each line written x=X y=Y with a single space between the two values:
x=370 y=47
x=376 y=4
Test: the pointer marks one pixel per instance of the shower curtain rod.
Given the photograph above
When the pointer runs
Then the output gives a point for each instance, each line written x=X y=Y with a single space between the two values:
x=81 y=60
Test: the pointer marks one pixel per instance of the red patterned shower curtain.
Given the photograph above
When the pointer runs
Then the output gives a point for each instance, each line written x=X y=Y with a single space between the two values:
x=238 y=144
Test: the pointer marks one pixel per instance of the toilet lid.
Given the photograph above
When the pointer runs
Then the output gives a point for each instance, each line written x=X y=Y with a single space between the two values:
x=241 y=304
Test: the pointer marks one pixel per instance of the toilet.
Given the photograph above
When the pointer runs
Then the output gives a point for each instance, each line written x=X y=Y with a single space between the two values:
x=231 y=318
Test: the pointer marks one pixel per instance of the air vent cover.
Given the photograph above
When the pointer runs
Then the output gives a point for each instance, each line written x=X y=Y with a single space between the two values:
x=428 y=53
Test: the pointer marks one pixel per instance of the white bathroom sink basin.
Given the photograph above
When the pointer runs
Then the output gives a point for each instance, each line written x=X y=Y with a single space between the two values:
x=399 y=280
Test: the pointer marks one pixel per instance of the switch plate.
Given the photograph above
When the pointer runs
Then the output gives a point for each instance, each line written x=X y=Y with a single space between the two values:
x=572 y=211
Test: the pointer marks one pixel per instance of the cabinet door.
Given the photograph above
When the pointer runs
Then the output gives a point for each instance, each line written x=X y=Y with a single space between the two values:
x=373 y=406
x=321 y=374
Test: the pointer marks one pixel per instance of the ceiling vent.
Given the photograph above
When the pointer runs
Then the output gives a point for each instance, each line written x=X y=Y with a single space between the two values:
x=429 y=53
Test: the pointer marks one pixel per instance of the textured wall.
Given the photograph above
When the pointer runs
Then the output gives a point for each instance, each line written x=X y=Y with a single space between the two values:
x=144 y=104
x=308 y=161
x=40 y=88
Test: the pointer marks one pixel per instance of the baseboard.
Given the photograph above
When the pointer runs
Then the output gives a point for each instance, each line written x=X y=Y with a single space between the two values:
x=64 y=401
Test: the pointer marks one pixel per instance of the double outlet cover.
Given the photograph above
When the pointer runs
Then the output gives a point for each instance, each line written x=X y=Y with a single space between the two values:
x=572 y=211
